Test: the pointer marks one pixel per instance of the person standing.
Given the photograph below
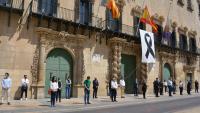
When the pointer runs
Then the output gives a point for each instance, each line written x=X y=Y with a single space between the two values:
x=95 y=87
x=24 y=87
x=169 y=84
x=161 y=87
x=6 y=86
x=196 y=86
x=87 y=83
x=54 y=89
x=165 y=85
x=156 y=87
x=58 y=95
x=181 y=87
x=174 y=87
x=144 y=89
x=189 y=87
x=68 y=88
x=135 y=88
x=114 y=87
x=122 y=86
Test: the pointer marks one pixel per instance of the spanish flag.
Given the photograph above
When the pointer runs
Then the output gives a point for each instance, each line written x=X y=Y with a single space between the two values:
x=146 y=18
x=114 y=9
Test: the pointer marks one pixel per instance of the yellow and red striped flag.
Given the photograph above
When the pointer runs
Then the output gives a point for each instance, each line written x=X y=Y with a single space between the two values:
x=146 y=18
x=114 y=9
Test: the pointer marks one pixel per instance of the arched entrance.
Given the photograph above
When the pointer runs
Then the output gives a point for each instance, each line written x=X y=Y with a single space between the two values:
x=166 y=72
x=59 y=63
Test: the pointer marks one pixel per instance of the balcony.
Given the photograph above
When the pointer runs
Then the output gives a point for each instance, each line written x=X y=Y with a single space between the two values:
x=15 y=4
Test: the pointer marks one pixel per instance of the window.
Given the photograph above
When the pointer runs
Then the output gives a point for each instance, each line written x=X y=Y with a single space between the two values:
x=47 y=7
x=183 y=42
x=173 y=39
x=199 y=9
x=141 y=26
x=180 y=2
x=192 y=44
x=158 y=35
x=113 y=24
x=189 y=5
x=5 y=2
x=85 y=12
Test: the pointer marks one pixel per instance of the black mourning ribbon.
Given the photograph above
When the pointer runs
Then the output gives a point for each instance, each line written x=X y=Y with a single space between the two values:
x=149 y=45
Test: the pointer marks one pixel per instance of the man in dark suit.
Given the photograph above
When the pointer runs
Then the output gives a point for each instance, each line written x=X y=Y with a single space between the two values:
x=156 y=87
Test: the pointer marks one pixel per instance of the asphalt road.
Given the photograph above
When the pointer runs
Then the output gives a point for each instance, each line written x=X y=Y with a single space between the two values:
x=157 y=107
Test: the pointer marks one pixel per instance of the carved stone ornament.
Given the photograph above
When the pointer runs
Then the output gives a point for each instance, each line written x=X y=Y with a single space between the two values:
x=192 y=33
x=182 y=30
x=174 y=24
x=137 y=11
x=158 y=19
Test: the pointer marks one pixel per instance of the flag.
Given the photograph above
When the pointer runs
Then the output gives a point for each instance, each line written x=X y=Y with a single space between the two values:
x=148 y=47
x=146 y=18
x=114 y=9
x=167 y=33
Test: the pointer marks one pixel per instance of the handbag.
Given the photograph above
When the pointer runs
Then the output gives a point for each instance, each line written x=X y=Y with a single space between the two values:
x=49 y=91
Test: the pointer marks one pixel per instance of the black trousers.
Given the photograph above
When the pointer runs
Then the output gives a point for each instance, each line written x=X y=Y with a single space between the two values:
x=95 y=92
x=161 y=91
x=165 y=89
x=156 y=92
x=196 y=89
x=53 y=98
x=24 y=90
x=188 y=91
x=113 y=94
x=181 y=90
x=58 y=96
x=144 y=94
x=135 y=91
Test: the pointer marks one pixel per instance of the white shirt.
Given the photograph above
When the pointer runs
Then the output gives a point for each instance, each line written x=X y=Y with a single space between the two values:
x=165 y=83
x=181 y=84
x=25 y=82
x=169 y=83
x=114 y=84
x=122 y=83
x=54 y=86
x=68 y=82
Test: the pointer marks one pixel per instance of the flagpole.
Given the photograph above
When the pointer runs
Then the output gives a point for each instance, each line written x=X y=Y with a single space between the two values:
x=138 y=25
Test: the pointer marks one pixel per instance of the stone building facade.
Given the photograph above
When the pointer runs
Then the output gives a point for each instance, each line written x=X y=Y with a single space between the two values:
x=79 y=38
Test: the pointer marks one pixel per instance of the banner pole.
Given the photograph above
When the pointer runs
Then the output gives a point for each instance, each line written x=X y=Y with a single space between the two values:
x=138 y=25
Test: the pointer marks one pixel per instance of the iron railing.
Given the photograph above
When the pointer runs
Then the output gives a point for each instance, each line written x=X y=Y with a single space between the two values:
x=17 y=4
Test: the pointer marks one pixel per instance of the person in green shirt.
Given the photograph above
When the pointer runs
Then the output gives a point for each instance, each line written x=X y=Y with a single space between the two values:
x=87 y=83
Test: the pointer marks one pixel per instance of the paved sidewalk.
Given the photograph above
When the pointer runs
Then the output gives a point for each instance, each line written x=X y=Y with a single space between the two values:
x=43 y=105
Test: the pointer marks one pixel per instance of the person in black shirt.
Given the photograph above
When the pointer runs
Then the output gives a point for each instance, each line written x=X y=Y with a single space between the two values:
x=95 y=87
x=196 y=86
x=161 y=87
x=189 y=87
x=156 y=87
x=144 y=89
x=59 y=90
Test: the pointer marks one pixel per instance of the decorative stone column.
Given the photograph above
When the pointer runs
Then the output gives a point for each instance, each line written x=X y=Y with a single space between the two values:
x=116 y=46
x=41 y=67
x=79 y=66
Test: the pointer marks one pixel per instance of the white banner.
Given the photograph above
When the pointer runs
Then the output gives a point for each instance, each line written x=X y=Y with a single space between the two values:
x=148 y=47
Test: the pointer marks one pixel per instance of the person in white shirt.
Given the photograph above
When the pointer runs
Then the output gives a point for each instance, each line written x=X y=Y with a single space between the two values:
x=24 y=86
x=114 y=87
x=54 y=89
x=169 y=84
x=181 y=87
x=122 y=86
x=6 y=84
x=68 y=87
x=165 y=85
